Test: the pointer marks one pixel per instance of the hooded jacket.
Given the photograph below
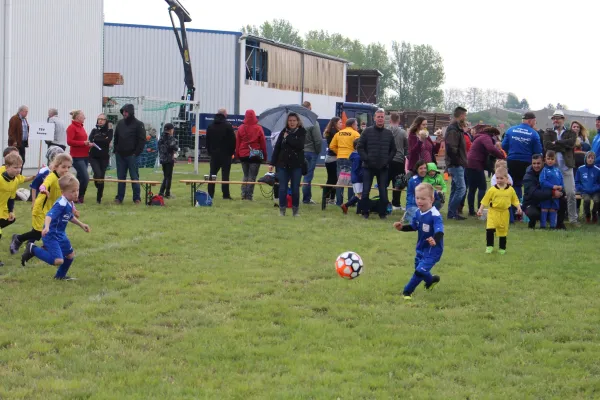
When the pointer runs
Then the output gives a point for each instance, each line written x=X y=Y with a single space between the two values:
x=437 y=179
x=76 y=138
x=167 y=147
x=130 y=134
x=376 y=147
x=595 y=147
x=483 y=146
x=521 y=142
x=220 y=138
x=289 y=151
x=250 y=135
x=102 y=136
x=343 y=142
x=587 y=178
x=357 y=169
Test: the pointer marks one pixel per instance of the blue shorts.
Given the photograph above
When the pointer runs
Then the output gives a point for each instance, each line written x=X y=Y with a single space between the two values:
x=58 y=247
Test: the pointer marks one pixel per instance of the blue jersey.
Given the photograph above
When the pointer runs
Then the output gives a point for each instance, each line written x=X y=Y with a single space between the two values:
x=596 y=147
x=428 y=223
x=61 y=213
x=39 y=178
x=521 y=142
x=413 y=182
x=550 y=177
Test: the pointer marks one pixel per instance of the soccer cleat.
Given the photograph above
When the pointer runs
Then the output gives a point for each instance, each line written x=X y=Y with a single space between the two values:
x=407 y=296
x=434 y=281
x=588 y=220
x=458 y=217
x=595 y=218
x=27 y=254
x=14 y=244
x=65 y=278
x=1 y=264
x=344 y=208
x=502 y=252
x=489 y=250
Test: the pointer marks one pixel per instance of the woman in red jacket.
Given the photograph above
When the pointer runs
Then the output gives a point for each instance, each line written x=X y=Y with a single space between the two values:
x=251 y=149
x=420 y=147
x=77 y=139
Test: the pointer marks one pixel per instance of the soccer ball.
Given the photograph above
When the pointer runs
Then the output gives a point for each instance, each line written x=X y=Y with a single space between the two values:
x=349 y=265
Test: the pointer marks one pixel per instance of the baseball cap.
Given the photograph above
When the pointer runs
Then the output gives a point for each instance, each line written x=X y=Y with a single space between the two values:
x=168 y=126
x=529 y=115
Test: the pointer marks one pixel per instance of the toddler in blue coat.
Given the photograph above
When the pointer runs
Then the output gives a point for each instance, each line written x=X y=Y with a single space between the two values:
x=550 y=178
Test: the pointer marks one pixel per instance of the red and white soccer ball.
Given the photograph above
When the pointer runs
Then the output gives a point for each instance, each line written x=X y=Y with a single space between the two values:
x=349 y=265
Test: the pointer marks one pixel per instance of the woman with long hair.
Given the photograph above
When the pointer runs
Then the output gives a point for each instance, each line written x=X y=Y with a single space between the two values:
x=582 y=134
x=288 y=157
x=77 y=139
x=420 y=145
x=101 y=135
x=333 y=127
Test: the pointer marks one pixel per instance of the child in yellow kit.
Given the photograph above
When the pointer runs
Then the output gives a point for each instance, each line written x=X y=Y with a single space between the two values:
x=498 y=199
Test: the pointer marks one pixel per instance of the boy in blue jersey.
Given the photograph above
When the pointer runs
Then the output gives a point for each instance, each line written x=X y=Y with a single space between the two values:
x=430 y=243
x=57 y=249
x=550 y=178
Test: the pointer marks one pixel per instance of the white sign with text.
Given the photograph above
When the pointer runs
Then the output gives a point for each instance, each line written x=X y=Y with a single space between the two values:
x=41 y=131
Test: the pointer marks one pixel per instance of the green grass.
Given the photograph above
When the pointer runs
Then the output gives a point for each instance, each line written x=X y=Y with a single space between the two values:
x=234 y=302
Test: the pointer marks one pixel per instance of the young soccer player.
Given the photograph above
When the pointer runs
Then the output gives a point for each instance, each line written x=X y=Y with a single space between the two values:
x=430 y=243
x=550 y=178
x=357 y=179
x=44 y=171
x=7 y=151
x=49 y=193
x=587 y=183
x=57 y=249
x=498 y=199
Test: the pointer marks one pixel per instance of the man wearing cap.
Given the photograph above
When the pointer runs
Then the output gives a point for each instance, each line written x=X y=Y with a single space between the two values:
x=520 y=143
x=596 y=142
x=565 y=158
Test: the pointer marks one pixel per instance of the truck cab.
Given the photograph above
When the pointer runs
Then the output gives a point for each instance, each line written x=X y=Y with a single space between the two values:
x=363 y=112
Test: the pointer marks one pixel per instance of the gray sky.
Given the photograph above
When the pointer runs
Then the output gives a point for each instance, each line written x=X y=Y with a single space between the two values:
x=543 y=51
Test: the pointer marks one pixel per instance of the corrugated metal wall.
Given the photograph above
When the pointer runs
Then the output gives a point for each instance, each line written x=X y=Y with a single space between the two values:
x=149 y=60
x=56 y=60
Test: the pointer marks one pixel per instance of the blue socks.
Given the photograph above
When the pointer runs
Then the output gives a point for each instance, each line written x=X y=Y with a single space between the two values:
x=553 y=218
x=43 y=255
x=64 y=268
x=543 y=219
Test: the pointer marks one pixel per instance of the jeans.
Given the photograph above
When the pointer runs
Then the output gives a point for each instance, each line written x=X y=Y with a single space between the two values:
x=477 y=183
x=125 y=164
x=285 y=175
x=339 y=192
x=99 y=166
x=382 y=180
x=569 y=180
x=457 y=190
x=165 y=188
x=311 y=158
x=217 y=163
x=250 y=174
x=81 y=166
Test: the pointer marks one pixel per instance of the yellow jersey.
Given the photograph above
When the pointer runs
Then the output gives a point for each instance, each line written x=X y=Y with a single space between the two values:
x=343 y=142
x=8 y=190
x=500 y=199
x=43 y=202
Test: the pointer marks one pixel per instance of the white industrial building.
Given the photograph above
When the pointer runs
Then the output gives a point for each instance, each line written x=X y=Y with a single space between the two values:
x=51 y=57
x=231 y=70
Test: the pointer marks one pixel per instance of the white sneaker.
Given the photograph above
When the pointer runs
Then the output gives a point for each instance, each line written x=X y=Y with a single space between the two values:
x=311 y=201
x=397 y=208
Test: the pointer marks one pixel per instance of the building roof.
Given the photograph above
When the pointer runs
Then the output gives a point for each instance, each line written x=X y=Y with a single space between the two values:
x=364 y=72
x=170 y=28
x=294 y=48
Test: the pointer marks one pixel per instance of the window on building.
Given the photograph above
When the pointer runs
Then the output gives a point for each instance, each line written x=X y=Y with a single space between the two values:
x=257 y=62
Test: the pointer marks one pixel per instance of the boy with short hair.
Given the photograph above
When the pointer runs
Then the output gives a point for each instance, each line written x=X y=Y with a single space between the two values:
x=435 y=178
x=430 y=242
x=52 y=152
x=357 y=178
x=167 y=147
x=57 y=249
x=587 y=183
x=550 y=178
x=498 y=199
x=7 y=151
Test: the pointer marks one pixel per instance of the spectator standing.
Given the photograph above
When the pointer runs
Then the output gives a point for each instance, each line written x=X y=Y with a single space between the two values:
x=398 y=162
x=220 y=144
x=420 y=145
x=312 y=150
x=596 y=142
x=101 y=135
x=456 y=161
x=334 y=126
x=18 y=131
x=251 y=149
x=60 y=131
x=77 y=139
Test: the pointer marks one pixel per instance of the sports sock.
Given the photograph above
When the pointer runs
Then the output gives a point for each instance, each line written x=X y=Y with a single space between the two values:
x=43 y=255
x=543 y=219
x=64 y=268
x=502 y=242
x=553 y=217
x=489 y=236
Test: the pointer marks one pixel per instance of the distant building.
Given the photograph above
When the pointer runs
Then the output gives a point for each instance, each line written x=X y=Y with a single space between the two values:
x=587 y=119
x=362 y=85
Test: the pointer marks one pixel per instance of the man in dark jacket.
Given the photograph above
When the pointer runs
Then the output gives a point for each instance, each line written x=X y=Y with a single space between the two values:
x=220 y=144
x=456 y=161
x=129 y=142
x=377 y=149
x=534 y=194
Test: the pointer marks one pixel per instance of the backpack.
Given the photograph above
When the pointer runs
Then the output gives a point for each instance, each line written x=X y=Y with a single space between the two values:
x=203 y=199
x=156 y=200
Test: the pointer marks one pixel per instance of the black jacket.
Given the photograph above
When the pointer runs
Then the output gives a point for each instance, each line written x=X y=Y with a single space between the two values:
x=533 y=193
x=102 y=136
x=456 y=146
x=289 y=151
x=376 y=147
x=130 y=134
x=220 y=138
x=167 y=146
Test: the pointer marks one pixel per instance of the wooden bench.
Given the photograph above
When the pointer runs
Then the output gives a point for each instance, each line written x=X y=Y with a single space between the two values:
x=147 y=185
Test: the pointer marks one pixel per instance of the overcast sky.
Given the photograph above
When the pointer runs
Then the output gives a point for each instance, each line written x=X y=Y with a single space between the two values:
x=543 y=51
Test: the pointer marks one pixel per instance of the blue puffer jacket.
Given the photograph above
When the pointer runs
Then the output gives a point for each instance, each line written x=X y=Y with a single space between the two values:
x=587 y=179
x=596 y=146
x=413 y=182
x=357 y=168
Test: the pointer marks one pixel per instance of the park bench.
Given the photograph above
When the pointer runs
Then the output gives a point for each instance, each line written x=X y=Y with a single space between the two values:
x=146 y=184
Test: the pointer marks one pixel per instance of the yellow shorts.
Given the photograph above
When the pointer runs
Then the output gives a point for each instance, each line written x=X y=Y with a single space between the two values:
x=498 y=220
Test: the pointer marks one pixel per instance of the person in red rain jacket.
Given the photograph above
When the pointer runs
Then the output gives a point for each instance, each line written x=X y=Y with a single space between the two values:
x=251 y=149
x=77 y=139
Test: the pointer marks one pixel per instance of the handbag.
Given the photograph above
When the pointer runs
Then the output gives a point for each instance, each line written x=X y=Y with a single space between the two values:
x=256 y=154
x=345 y=178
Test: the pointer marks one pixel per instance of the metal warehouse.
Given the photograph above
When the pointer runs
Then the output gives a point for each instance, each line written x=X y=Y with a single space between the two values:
x=231 y=70
x=51 y=57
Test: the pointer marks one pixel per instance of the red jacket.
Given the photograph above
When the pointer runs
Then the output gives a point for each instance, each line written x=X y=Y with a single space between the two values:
x=76 y=137
x=250 y=135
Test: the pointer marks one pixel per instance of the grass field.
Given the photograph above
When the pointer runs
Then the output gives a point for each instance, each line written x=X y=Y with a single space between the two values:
x=234 y=302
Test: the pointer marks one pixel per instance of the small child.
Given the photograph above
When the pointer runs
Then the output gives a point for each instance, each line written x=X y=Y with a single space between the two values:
x=435 y=178
x=501 y=164
x=6 y=152
x=52 y=152
x=49 y=193
x=167 y=147
x=550 y=178
x=57 y=249
x=587 y=183
x=430 y=242
x=499 y=198
x=420 y=172
x=357 y=179
x=10 y=180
